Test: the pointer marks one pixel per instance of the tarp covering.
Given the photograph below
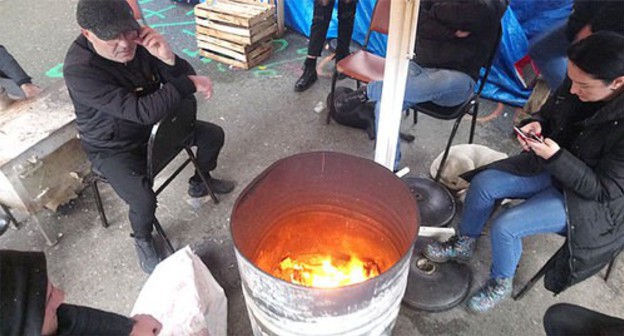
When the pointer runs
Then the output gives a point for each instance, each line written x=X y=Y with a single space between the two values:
x=523 y=20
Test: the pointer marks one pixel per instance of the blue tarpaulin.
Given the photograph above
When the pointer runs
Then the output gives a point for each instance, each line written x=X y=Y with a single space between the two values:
x=523 y=20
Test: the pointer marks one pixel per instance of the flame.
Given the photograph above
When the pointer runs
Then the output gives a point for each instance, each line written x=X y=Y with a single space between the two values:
x=324 y=271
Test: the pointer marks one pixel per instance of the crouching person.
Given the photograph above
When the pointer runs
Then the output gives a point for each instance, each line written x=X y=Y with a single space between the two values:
x=30 y=305
x=122 y=79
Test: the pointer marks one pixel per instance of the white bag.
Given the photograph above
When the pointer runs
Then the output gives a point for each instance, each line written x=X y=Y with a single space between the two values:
x=183 y=295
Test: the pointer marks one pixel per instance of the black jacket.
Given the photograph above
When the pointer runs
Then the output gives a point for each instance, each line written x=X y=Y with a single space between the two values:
x=589 y=169
x=436 y=44
x=116 y=104
x=599 y=14
x=80 y=321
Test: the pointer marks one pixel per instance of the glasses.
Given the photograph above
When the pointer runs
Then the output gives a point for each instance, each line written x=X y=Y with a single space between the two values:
x=128 y=36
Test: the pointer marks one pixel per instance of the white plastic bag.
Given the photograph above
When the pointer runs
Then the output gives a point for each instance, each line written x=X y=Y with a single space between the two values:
x=183 y=295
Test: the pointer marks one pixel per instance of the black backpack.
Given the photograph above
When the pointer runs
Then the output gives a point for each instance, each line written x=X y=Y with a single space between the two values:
x=361 y=117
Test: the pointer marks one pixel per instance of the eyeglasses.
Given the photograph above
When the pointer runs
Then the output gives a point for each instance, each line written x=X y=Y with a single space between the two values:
x=130 y=35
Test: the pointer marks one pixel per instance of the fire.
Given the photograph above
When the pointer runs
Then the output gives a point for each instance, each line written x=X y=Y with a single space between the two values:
x=323 y=271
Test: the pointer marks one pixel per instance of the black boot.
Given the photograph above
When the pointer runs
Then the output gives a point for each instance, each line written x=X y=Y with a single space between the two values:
x=198 y=189
x=308 y=77
x=148 y=257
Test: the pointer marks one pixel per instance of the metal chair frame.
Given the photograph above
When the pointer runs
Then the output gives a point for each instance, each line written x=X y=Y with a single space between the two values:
x=175 y=124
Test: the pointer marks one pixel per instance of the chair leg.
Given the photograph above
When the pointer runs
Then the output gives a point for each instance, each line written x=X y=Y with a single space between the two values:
x=448 y=148
x=163 y=235
x=332 y=106
x=201 y=174
x=98 y=202
x=473 y=125
x=7 y=211
x=520 y=294
x=610 y=267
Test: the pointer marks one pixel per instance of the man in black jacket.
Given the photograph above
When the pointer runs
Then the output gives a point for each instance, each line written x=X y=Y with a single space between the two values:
x=122 y=79
x=30 y=305
x=454 y=40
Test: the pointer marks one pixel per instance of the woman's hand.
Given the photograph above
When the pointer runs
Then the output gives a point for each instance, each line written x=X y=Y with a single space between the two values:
x=544 y=150
x=530 y=128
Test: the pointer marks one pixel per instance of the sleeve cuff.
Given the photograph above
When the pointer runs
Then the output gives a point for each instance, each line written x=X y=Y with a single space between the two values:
x=184 y=85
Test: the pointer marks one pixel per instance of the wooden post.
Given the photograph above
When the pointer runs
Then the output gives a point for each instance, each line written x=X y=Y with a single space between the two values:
x=401 y=39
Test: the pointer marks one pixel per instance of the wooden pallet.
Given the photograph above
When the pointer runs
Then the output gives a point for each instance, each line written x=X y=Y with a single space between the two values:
x=235 y=32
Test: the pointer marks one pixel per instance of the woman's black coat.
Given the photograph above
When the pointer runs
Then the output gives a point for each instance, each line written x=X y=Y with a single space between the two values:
x=589 y=169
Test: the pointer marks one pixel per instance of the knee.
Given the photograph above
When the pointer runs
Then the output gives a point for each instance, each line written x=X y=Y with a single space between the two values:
x=144 y=203
x=483 y=184
x=555 y=316
x=211 y=134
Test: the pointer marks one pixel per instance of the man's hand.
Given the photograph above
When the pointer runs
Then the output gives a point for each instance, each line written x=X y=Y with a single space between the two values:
x=156 y=45
x=203 y=85
x=530 y=128
x=145 y=325
x=544 y=150
x=462 y=34
x=30 y=90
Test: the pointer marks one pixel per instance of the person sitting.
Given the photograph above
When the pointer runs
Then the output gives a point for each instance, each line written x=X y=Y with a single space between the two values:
x=454 y=39
x=122 y=79
x=564 y=319
x=572 y=180
x=318 y=31
x=14 y=78
x=31 y=305
x=548 y=50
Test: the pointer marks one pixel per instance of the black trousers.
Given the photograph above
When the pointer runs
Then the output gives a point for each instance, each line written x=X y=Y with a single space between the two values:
x=570 y=320
x=126 y=172
x=320 y=23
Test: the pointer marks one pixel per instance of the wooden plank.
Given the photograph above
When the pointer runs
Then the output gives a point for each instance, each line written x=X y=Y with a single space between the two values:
x=224 y=8
x=222 y=35
x=221 y=50
x=261 y=58
x=223 y=27
x=242 y=48
x=214 y=16
x=261 y=27
x=223 y=59
x=254 y=58
x=267 y=32
x=258 y=51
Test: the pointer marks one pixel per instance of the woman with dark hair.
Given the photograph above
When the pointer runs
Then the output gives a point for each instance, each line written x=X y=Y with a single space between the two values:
x=572 y=178
x=320 y=23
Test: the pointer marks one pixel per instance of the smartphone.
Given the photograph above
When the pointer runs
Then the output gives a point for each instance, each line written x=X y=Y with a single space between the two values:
x=528 y=136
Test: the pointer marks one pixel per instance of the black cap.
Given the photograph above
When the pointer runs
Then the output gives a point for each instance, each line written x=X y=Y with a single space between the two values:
x=106 y=18
x=23 y=292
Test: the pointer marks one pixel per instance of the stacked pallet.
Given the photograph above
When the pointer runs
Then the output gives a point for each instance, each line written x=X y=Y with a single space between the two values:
x=235 y=32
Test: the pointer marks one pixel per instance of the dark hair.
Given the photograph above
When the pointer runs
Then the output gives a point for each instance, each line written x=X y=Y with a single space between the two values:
x=600 y=55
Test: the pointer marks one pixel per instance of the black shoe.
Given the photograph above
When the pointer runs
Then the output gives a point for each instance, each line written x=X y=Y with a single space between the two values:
x=148 y=257
x=351 y=100
x=306 y=80
x=197 y=189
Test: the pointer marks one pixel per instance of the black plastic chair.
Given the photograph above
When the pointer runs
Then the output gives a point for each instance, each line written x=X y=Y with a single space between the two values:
x=471 y=106
x=522 y=292
x=168 y=138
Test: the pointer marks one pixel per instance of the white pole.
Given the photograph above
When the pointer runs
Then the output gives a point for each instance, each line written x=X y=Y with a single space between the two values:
x=400 y=50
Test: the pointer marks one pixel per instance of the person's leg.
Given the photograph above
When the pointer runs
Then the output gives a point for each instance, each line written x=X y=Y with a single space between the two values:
x=485 y=190
x=572 y=320
x=209 y=139
x=346 y=18
x=126 y=174
x=318 y=32
x=548 y=51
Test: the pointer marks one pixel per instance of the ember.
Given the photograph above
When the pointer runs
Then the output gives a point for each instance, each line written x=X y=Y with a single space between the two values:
x=321 y=271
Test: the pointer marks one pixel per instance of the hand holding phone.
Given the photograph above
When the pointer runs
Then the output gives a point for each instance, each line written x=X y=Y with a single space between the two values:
x=528 y=136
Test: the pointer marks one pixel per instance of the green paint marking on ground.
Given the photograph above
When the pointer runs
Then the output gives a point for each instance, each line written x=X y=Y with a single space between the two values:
x=205 y=60
x=190 y=12
x=282 y=44
x=171 y=24
x=265 y=73
x=190 y=53
x=141 y=2
x=188 y=32
x=302 y=51
x=151 y=13
x=56 y=72
x=221 y=67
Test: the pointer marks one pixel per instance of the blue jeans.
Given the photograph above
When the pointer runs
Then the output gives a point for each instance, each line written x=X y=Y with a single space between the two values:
x=542 y=212
x=548 y=51
x=440 y=86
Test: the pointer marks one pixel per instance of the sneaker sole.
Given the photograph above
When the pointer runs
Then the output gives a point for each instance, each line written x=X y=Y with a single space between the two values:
x=462 y=260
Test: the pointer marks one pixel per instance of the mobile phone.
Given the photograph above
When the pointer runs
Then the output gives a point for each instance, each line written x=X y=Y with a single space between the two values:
x=528 y=136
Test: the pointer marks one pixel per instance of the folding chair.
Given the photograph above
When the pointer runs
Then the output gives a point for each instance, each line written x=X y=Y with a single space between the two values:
x=364 y=66
x=471 y=106
x=542 y=271
x=168 y=138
